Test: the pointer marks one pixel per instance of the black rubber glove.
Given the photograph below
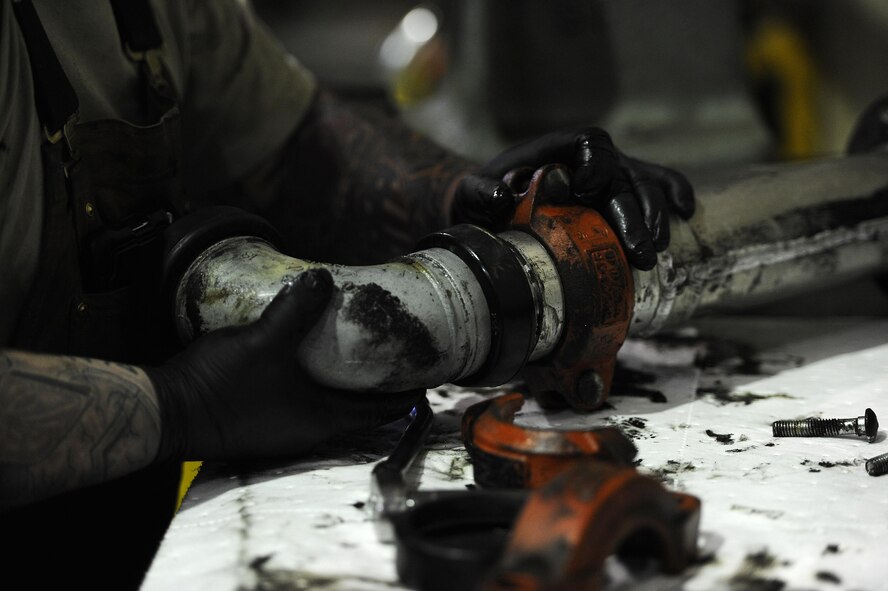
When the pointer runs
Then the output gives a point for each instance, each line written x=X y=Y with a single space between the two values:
x=634 y=197
x=239 y=393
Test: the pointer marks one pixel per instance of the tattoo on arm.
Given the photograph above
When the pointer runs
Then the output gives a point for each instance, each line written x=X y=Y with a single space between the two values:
x=355 y=187
x=69 y=422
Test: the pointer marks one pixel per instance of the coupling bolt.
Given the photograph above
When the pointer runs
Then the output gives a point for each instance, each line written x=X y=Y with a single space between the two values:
x=878 y=465
x=865 y=426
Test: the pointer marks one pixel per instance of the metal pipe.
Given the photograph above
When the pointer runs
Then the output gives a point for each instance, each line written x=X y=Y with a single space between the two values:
x=418 y=321
x=767 y=232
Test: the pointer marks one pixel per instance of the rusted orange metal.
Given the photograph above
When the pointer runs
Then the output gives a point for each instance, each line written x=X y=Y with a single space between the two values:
x=590 y=511
x=587 y=501
x=598 y=291
x=505 y=455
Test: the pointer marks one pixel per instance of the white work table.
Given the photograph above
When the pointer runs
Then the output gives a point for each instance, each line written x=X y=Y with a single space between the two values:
x=777 y=513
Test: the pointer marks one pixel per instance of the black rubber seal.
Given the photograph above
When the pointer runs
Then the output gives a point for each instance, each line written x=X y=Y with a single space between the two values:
x=513 y=315
x=452 y=541
x=186 y=238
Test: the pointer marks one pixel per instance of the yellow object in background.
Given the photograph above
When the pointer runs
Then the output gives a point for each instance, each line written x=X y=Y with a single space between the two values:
x=414 y=56
x=778 y=55
x=189 y=471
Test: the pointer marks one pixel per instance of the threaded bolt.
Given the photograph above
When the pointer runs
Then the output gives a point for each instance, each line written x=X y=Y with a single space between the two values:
x=877 y=466
x=865 y=426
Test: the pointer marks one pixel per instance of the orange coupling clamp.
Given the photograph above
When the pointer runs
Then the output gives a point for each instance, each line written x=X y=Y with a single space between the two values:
x=598 y=290
x=568 y=527
x=506 y=455
x=585 y=502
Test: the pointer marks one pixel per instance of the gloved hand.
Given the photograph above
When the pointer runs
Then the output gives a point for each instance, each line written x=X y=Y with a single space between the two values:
x=633 y=196
x=239 y=393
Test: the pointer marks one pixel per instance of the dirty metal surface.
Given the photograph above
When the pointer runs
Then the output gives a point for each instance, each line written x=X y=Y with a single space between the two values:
x=778 y=513
x=418 y=320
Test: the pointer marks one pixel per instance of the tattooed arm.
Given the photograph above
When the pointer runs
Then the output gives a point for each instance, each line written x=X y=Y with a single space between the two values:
x=69 y=422
x=353 y=186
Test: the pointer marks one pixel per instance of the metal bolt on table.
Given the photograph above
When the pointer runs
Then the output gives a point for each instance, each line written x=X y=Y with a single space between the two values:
x=865 y=426
x=878 y=465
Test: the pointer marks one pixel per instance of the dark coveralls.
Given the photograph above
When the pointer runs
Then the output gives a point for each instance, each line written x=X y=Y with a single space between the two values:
x=110 y=188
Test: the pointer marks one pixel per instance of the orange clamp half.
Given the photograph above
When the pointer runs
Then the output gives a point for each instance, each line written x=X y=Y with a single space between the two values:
x=506 y=455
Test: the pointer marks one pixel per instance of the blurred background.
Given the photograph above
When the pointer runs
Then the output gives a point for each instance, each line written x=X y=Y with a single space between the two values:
x=694 y=84
x=683 y=82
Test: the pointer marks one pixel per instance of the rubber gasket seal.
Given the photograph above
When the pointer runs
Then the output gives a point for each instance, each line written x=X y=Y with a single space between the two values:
x=513 y=314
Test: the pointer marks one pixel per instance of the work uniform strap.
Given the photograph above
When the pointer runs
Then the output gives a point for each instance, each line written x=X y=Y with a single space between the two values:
x=136 y=25
x=142 y=42
x=55 y=97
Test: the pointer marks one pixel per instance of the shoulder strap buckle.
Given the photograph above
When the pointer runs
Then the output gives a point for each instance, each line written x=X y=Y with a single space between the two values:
x=152 y=60
x=64 y=132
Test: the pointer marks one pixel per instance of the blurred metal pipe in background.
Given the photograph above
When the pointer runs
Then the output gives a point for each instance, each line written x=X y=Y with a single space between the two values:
x=769 y=232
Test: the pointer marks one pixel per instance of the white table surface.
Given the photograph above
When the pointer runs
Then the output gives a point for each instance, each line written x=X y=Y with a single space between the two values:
x=778 y=513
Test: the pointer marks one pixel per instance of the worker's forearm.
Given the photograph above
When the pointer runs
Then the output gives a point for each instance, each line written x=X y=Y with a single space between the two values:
x=358 y=187
x=69 y=422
